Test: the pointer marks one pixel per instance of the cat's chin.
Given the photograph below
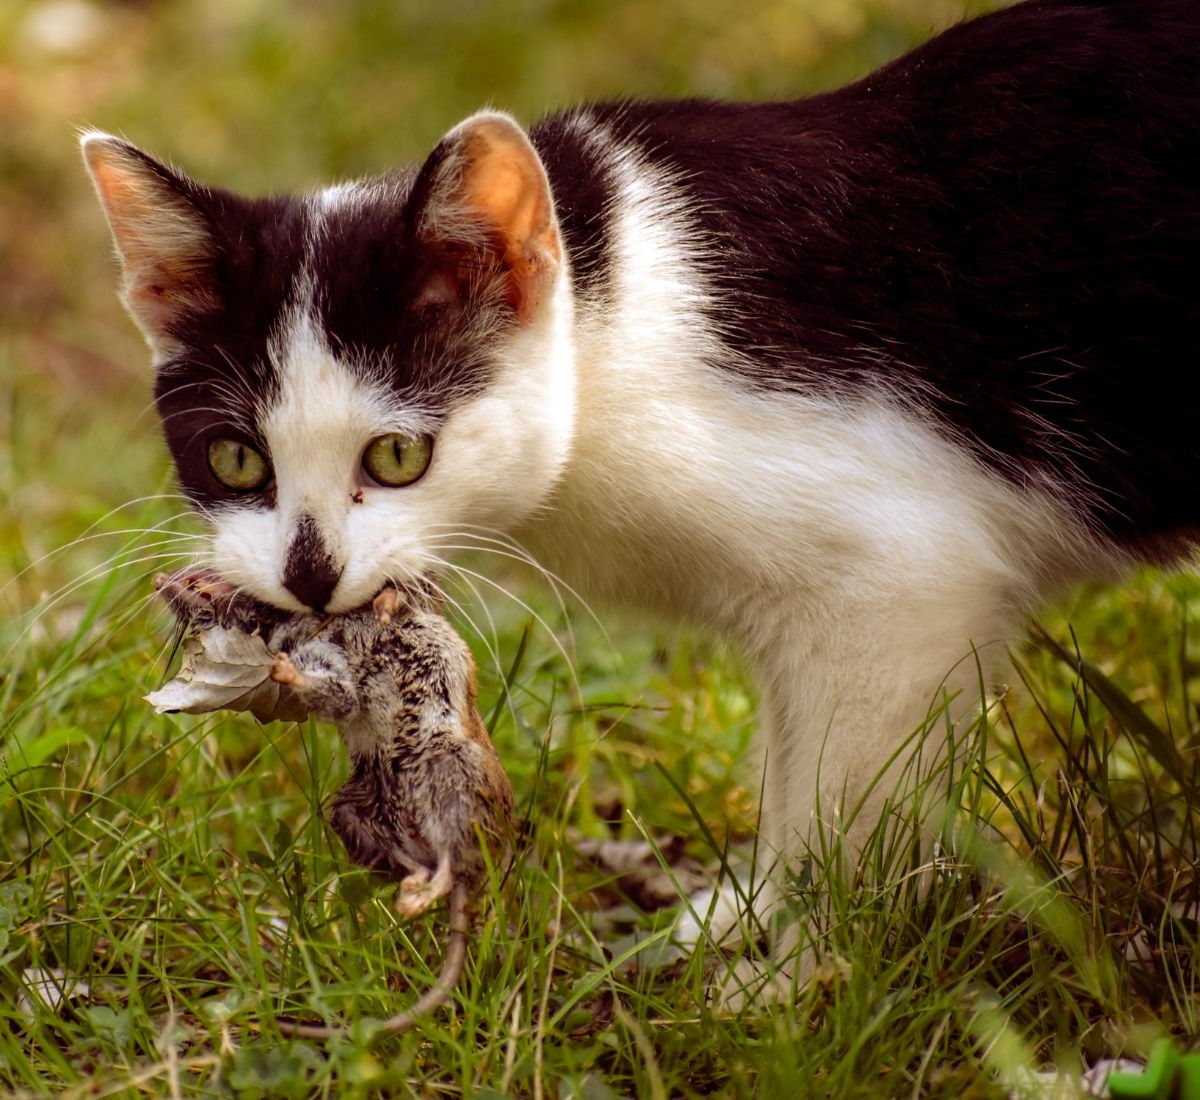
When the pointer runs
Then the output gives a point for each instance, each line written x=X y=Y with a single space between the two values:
x=362 y=579
x=357 y=596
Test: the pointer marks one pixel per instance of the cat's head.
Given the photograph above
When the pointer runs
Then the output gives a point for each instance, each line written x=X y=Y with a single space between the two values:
x=350 y=379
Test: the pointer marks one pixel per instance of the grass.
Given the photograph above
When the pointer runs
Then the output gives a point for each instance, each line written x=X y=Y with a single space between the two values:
x=178 y=876
x=180 y=868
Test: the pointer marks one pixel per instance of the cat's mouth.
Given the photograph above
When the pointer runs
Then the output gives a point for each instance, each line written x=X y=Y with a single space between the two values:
x=200 y=589
x=195 y=589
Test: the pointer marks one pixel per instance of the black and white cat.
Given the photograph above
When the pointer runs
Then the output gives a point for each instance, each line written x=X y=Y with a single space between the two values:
x=854 y=380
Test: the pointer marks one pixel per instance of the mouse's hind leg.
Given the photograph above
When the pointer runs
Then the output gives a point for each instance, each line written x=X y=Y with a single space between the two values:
x=419 y=891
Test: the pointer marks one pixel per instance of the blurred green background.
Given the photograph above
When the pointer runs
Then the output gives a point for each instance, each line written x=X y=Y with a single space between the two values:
x=264 y=95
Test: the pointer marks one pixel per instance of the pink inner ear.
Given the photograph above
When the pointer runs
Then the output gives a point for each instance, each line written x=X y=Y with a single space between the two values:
x=502 y=184
x=162 y=241
x=157 y=295
x=505 y=182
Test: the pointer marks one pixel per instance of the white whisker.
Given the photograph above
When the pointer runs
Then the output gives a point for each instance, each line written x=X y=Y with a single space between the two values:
x=464 y=573
x=502 y=538
x=95 y=574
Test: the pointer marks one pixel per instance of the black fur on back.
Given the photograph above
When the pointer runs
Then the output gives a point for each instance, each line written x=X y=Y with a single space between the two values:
x=1002 y=228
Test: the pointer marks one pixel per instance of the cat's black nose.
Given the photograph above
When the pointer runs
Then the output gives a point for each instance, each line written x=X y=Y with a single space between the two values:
x=310 y=573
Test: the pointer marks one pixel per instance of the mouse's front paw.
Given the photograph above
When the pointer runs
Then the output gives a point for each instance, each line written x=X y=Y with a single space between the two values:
x=284 y=672
x=386 y=605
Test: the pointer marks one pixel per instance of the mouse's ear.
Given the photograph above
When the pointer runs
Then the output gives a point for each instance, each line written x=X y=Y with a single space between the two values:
x=164 y=237
x=481 y=209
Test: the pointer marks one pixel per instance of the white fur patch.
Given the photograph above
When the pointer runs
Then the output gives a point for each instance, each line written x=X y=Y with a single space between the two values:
x=339 y=196
x=856 y=554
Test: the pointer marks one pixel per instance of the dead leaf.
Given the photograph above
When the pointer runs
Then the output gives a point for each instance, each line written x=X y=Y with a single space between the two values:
x=227 y=669
x=49 y=988
x=638 y=875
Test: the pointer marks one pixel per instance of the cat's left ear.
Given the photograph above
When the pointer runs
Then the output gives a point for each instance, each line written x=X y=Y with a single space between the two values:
x=481 y=208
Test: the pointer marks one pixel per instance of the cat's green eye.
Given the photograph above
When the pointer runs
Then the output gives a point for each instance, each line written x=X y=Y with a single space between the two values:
x=237 y=465
x=398 y=459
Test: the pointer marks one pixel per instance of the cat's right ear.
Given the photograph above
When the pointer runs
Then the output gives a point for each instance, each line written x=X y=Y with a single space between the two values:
x=164 y=239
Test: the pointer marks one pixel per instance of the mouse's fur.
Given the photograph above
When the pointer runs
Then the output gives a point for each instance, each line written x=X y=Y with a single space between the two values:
x=424 y=774
x=426 y=784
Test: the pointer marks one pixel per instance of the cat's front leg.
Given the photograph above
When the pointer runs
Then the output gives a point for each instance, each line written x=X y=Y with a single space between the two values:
x=847 y=705
x=847 y=690
x=320 y=679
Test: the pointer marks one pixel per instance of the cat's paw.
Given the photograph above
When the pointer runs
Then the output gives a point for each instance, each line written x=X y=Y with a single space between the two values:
x=748 y=983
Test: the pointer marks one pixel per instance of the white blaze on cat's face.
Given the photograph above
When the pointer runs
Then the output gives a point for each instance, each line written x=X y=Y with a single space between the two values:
x=496 y=456
x=300 y=331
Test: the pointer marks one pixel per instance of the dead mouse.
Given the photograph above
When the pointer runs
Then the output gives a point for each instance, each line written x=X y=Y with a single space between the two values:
x=425 y=780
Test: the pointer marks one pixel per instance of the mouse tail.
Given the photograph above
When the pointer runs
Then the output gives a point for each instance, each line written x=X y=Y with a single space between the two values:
x=452 y=966
x=434 y=997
